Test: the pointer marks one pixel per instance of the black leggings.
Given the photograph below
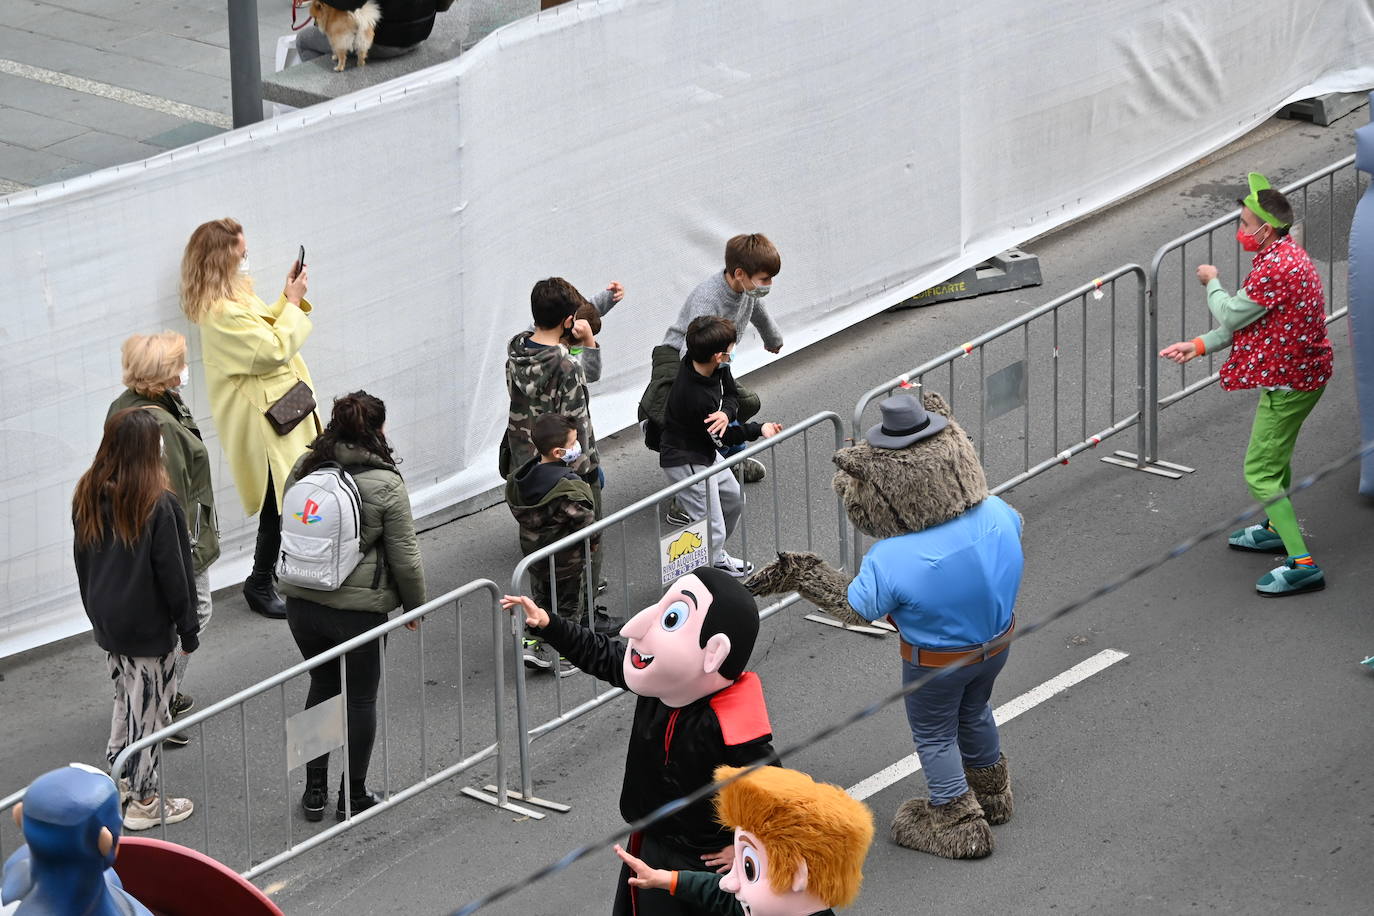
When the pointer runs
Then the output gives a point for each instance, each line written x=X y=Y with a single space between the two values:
x=269 y=532
x=317 y=629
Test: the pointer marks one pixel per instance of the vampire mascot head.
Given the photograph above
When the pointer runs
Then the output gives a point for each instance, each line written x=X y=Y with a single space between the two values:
x=695 y=641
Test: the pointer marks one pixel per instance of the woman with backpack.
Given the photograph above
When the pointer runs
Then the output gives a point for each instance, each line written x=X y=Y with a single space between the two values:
x=133 y=566
x=260 y=389
x=346 y=495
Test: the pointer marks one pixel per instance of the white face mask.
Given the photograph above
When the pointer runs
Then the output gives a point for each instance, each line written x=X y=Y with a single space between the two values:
x=185 y=378
x=570 y=455
x=243 y=265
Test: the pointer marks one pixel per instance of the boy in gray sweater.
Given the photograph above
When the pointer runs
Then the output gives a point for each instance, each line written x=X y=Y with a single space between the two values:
x=751 y=263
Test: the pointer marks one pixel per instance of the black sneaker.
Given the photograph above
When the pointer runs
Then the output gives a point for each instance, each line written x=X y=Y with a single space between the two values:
x=313 y=801
x=180 y=739
x=603 y=622
x=182 y=704
x=357 y=803
x=677 y=516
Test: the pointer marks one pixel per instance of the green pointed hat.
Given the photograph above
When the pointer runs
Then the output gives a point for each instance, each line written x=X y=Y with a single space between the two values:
x=1259 y=183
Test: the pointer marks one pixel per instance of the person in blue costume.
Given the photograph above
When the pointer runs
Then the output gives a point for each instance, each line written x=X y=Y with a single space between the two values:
x=71 y=822
x=945 y=569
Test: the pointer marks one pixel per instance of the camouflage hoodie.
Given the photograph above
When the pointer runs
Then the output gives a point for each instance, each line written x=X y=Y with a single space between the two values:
x=565 y=508
x=544 y=380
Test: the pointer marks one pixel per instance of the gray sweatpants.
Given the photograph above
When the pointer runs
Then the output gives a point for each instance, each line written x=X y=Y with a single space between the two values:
x=724 y=504
x=204 y=609
x=143 y=691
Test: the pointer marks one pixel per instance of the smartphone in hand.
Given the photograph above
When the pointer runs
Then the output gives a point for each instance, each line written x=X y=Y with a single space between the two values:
x=300 y=262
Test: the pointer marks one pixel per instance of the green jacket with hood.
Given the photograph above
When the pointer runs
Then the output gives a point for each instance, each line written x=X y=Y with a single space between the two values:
x=188 y=466
x=391 y=573
x=564 y=509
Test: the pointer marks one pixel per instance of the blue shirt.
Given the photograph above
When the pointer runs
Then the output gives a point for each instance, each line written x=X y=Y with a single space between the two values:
x=949 y=586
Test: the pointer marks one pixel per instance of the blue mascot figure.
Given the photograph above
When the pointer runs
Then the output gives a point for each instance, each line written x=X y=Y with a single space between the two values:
x=71 y=821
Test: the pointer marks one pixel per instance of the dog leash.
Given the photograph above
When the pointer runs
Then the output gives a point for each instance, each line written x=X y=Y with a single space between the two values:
x=299 y=5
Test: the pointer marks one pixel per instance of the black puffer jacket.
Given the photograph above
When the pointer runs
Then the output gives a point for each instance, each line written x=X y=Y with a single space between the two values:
x=674 y=752
x=404 y=22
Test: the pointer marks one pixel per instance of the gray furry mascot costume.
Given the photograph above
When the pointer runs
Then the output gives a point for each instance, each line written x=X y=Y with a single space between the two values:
x=945 y=570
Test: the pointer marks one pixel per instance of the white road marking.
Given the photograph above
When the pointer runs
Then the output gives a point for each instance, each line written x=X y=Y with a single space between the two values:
x=116 y=93
x=1002 y=714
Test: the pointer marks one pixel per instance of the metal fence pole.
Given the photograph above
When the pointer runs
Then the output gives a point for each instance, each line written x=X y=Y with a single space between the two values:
x=245 y=64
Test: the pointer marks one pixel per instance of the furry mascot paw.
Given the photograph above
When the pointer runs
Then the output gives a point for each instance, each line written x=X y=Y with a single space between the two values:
x=812 y=578
x=992 y=785
x=955 y=830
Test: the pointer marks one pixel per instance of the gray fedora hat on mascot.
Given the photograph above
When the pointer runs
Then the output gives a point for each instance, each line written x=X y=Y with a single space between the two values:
x=905 y=420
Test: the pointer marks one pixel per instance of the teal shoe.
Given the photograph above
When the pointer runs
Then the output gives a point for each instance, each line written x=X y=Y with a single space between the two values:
x=1290 y=579
x=1259 y=538
x=1368 y=662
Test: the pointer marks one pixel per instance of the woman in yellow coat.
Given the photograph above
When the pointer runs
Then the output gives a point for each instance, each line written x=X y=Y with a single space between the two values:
x=251 y=352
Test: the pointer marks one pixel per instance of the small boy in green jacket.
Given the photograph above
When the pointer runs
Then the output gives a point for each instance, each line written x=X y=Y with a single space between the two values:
x=550 y=501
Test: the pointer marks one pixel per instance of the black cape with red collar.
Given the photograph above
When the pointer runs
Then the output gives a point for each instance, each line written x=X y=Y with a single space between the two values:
x=674 y=752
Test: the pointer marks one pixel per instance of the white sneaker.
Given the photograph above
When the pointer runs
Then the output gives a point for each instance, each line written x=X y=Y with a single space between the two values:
x=734 y=566
x=139 y=816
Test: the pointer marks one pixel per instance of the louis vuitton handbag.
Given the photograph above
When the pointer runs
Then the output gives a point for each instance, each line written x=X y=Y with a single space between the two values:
x=291 y=408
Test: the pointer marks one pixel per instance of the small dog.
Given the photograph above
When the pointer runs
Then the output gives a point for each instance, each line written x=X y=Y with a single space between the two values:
x=347 y=30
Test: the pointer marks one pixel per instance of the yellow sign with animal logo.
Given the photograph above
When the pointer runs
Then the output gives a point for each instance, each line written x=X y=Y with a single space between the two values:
x=683 y=550
x=685 y=543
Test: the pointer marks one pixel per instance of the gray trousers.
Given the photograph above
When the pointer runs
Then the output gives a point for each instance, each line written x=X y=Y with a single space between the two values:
x=718 y=497
x=143 y=691
x=204 y=609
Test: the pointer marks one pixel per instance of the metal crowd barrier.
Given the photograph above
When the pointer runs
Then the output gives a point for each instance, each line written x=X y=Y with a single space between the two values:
x=640 y=531
x=1103 y=389
x=1322 y=202
x=402 y=721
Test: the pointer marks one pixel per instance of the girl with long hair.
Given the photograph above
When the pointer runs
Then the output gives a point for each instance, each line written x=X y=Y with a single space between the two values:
x=251 y=352
x=133 y=565
x=155 y=372
x=390 y=574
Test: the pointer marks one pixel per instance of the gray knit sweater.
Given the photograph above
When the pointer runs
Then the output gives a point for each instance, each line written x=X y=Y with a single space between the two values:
x=715 y=297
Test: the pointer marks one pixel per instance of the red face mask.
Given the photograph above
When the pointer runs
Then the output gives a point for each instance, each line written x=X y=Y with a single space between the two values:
x=1247 y=241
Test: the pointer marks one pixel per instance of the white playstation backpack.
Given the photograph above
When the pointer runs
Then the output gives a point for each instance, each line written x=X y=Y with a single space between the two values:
x=321 y=529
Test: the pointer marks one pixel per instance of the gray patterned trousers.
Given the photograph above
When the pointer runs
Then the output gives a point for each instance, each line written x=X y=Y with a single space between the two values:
x=143 y=691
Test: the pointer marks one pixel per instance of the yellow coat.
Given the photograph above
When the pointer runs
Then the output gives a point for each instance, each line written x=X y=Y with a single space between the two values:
x=252 y=357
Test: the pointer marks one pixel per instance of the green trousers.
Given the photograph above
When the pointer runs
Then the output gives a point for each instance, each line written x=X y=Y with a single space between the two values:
x=1268 y=458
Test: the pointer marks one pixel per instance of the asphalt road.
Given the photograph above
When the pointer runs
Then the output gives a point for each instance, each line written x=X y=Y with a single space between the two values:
x=1219 y=767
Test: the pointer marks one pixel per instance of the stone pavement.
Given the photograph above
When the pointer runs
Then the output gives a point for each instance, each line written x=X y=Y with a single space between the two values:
x=87 y=84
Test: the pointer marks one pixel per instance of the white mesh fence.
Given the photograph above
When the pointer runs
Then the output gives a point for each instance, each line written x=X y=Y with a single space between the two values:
x=882 y=145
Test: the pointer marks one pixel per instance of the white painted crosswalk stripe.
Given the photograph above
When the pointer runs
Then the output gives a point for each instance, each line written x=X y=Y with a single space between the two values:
x=1003 y=714
x=116 y=93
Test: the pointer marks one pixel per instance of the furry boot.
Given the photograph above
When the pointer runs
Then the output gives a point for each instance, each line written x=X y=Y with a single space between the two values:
x=956 y=830
x=992 y=785
x=811 y=577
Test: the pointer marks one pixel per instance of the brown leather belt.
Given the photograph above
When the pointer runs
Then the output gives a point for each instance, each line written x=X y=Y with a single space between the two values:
x=943 y=658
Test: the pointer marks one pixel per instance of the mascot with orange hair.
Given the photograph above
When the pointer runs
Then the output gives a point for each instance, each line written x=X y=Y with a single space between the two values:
x=799 y=848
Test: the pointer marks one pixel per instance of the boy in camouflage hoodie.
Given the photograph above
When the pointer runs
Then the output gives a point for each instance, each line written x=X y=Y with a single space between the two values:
x=550 y=502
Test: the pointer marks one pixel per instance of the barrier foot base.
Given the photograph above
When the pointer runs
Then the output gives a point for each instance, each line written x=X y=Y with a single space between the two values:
x=495 y=803
x=832 y=622
x=1160 y=468
x=541 y=802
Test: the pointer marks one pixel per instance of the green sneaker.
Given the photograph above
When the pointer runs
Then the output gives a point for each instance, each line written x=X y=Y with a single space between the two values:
x=1290 y=579
x=1259 y=538
x=1368 y=662
x=536 y=654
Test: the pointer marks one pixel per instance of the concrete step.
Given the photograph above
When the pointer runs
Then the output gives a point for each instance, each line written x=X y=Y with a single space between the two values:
x=459 y=28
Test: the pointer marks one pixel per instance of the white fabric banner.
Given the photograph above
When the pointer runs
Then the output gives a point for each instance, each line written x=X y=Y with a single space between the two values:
x=883 y=146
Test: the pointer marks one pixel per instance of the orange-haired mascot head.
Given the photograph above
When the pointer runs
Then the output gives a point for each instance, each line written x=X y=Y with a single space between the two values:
x=799 y=844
